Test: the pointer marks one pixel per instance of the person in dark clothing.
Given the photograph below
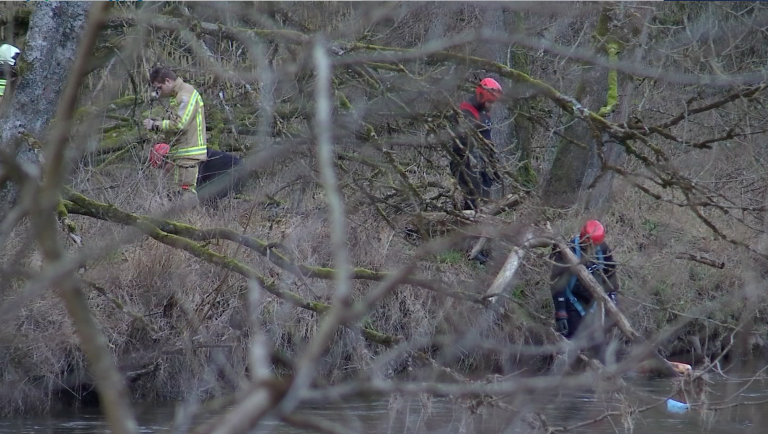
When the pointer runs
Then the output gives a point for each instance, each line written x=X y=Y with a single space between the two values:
x=574 y=307
x=471 y=170
x=219 y=164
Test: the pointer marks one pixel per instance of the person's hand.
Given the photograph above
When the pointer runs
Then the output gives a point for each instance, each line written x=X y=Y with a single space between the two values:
x=561 y=322
x=149 y=124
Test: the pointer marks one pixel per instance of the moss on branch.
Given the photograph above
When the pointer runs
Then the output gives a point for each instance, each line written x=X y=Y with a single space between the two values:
x=186 y=237
x=85 y=206
x=613 y=82
x=63 y=217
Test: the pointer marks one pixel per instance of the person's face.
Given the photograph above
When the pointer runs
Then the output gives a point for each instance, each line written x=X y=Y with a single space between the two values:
x=163 y=88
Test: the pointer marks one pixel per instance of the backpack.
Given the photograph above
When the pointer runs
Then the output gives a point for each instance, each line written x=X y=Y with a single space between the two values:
x=574 y=278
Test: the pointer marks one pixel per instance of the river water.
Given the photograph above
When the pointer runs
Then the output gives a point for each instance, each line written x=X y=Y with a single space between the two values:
x=411 y=415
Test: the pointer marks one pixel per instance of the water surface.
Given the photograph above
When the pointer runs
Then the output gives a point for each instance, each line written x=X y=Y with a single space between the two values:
x=412 y=415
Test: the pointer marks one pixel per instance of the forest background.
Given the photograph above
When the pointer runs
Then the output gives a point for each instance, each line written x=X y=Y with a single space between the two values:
x=345 y=260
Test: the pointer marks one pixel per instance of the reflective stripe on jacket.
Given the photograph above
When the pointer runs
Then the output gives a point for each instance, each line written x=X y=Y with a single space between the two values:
x=3 y=82
x=188 y=124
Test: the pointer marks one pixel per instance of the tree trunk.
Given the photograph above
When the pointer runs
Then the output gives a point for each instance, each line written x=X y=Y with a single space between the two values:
x=573 y=164
x=521 y=132
x=51 y=46
x=600 y=196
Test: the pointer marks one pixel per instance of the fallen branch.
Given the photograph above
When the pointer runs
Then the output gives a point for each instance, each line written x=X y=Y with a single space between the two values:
x=515 y=258
x=485 y=214
x=701 y=260
x=79 y=204
x=477 y=248
x=223 y=261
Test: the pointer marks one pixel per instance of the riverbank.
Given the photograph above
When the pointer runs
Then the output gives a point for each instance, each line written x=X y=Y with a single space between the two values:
x=178 y=325
x=561 y=409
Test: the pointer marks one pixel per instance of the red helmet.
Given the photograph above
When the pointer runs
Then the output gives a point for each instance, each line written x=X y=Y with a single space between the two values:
x=489 y=90
x=158 y=153
x=594 y=230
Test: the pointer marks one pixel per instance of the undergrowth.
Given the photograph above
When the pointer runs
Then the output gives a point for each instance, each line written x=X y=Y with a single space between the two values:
x=198 y=313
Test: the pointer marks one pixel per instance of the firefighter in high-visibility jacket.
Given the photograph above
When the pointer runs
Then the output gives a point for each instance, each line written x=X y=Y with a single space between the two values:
x=188 y=146
x=8 y=57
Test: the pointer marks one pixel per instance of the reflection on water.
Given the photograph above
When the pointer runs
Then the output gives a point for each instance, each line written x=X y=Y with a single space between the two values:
x=413 y=415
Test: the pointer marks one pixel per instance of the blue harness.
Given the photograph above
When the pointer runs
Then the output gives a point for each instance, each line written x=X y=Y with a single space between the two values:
x=574 y=278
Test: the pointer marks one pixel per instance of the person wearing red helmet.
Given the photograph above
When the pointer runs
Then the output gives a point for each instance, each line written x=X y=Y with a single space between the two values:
x=574 y=305
x=469 y=165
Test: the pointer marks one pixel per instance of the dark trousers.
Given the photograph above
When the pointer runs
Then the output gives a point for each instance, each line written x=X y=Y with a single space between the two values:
x=219 y=165
x=596 y=334
x=474 y=183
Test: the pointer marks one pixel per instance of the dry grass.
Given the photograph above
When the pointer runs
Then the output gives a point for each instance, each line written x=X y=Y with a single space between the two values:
x=168 y=287
x=204 y=357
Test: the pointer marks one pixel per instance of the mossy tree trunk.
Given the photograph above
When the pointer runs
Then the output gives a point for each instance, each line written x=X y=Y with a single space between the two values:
x=600 y=196
x=43 y=71
x=573 y=165
x=521 y=132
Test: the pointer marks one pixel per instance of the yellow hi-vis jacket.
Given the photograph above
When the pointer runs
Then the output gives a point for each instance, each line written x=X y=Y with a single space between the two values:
x=6 y=73
x=188 y=124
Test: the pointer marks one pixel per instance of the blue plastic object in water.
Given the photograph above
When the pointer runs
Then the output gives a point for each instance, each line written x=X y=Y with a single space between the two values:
x=676 y=406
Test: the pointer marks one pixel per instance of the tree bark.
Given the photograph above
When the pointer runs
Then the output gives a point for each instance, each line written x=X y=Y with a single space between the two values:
x=50 y=50
x=614 y=154
x=573 y=164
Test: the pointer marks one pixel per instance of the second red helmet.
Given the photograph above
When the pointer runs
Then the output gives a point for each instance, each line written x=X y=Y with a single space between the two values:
x=594 y=230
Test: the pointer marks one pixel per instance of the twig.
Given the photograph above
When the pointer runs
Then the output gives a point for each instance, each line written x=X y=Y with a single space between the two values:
x=79 y=204
x=113 y=392
x=342 y=297
x=603 y=416
x=701 y=259
x=120 y=306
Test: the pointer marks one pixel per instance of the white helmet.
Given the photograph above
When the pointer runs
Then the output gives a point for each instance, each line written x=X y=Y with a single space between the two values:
x=8 y=54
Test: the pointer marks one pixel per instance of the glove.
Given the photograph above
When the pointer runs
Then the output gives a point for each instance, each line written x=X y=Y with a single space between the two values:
x=614 y=298
x=561 y=325
x=561 y=322
x=149 y=124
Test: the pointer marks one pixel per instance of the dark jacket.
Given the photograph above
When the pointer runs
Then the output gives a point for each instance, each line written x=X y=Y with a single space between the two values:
x=477 y=118
x=7 y=72
x=561 y=275
x=472 y=171
x=219 y=164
